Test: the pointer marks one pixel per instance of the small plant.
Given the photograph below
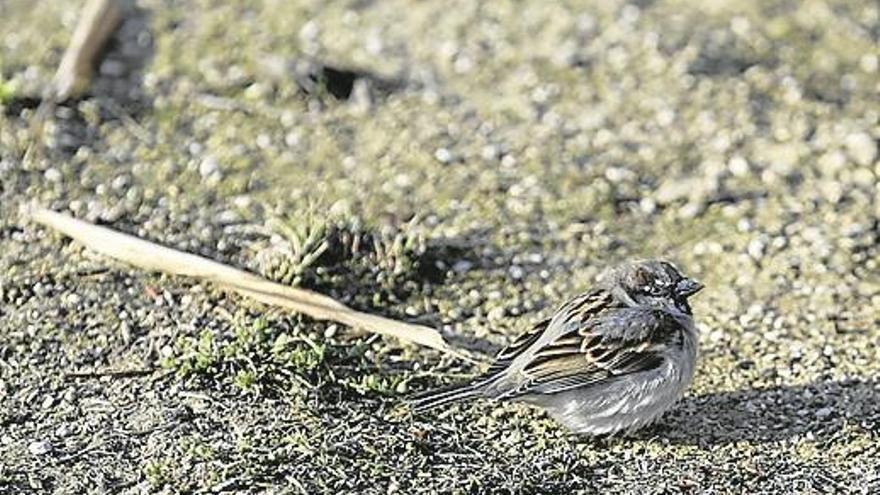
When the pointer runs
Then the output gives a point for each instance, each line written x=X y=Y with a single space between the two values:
x=330 y=252
x=197 y=449
x=158 y=472
x=397 y=252
x=252 y=355
x=377 y=383
x=301 y=243
x=245 y=380
x=7 y=91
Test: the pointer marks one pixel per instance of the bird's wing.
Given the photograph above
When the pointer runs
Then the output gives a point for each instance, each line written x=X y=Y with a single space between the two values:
x=520 y=344
x=588 y=301
x=600 y=339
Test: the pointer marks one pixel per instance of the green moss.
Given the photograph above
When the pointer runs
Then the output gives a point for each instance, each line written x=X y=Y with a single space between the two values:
x=158 y=473
x=252 y=355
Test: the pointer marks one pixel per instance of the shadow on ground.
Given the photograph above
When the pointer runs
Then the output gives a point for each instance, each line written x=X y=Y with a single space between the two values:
x=772 y=414
x=119 y=76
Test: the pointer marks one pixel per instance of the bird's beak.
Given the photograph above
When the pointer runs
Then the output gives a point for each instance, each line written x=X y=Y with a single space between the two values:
x=688 y=287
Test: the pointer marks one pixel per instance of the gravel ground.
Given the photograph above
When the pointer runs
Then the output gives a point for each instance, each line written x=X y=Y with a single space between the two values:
x=464 y=165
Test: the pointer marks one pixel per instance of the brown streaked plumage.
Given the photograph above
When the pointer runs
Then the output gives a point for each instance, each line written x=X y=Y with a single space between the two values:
x=613 y=358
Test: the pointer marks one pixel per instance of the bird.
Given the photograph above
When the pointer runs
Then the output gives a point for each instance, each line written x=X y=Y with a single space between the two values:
x=610 y=360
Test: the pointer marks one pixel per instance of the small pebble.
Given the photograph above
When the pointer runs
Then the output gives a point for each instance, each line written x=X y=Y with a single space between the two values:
x=462 y=266
x=209 y=166
x=516 y=272
x=120 y=182
x=443 y=155
x=862 y=148
x=39 y=448
x=52 y=175
x=496 y=314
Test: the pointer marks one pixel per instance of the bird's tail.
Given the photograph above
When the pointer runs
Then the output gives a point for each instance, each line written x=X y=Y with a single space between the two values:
x=420 y=403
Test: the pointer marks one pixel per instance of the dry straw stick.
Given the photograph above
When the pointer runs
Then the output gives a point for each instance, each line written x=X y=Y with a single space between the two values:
x=98 y=20
x=151 y=256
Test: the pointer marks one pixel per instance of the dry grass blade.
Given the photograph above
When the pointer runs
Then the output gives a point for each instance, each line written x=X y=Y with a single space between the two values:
x=151 y=256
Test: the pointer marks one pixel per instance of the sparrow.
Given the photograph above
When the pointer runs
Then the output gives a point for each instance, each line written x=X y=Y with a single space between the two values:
x=611 y=360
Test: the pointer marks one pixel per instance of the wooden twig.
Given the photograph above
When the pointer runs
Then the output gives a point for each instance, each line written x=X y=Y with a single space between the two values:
x=151 y=256
x=98 y=20
x=111 y=373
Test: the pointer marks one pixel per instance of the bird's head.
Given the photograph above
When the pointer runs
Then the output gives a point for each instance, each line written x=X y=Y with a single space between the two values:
x=653 y=283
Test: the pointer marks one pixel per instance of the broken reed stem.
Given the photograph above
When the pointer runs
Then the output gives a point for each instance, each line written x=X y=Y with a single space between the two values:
x=151 y=256
x=98 y=20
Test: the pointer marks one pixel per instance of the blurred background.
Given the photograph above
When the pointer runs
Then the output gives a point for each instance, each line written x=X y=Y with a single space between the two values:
x=464 y=165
